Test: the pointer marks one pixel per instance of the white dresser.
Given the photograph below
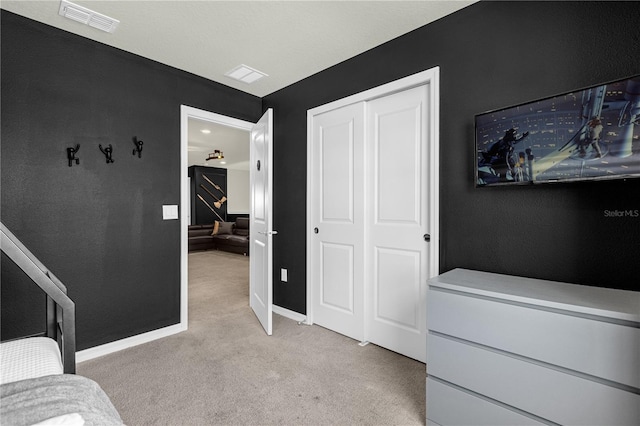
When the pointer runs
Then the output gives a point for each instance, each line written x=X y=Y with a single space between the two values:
x=505 y=350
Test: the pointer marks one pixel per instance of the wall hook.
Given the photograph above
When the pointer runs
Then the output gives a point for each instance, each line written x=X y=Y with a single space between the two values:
x=108 y=151
x=138 y=148
x=71 y=154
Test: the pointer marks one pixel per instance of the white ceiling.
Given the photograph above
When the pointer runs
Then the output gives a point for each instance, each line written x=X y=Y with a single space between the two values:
x=288 y=40
x=234 y=143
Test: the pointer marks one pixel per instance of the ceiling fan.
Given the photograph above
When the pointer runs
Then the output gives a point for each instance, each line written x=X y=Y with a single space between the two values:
x=215 y=155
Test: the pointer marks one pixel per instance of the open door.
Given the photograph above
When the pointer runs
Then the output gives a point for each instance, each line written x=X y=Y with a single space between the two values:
x=261 y=232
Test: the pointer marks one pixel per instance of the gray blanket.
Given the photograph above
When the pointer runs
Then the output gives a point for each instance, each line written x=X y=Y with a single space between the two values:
x=31 y=401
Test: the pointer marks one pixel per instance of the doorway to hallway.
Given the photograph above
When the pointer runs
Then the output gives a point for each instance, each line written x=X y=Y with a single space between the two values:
x=260 y=142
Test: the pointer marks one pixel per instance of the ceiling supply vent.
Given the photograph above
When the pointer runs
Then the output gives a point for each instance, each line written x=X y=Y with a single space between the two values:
x=87 y=16
x=245 y=74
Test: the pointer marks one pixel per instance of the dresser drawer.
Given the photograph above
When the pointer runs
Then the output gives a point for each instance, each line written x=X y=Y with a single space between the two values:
x=598 y=348
x=447 y=406
x=547 y=393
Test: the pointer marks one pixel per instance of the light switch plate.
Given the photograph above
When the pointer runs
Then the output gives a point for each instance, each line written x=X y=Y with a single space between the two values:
x=283 y=275
x=169 y=212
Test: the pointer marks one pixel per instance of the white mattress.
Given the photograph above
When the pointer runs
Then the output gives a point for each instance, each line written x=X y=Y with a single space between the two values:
x=29 y=358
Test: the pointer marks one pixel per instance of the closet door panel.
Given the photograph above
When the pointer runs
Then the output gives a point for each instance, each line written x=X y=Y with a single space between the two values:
x=396 y=222
x=396 y=287
x=336 y=282
x=338 y=218
x=336 y=151
x=396 y=164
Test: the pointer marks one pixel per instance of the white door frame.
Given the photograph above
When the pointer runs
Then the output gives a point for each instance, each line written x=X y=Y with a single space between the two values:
x=187 y=112
x=430 y=77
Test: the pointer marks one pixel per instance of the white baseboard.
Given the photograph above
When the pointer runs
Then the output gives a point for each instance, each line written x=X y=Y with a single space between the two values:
x=288 y=313
x=129 y=342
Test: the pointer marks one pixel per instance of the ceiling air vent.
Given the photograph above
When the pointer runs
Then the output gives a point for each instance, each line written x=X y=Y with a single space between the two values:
x=87 y=16
x=245 y=74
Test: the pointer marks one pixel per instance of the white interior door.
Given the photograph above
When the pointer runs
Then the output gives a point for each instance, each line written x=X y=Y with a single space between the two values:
x=397 y=222
x=338 y=220
x=261 y=231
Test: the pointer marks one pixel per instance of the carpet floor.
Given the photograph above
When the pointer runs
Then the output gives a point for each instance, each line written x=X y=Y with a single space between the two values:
x=224 y=370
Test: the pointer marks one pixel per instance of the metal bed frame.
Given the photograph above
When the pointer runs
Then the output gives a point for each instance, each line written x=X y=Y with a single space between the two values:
x=61 y=311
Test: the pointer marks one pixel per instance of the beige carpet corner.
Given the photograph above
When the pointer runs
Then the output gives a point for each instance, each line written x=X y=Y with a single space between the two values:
x=226 y=371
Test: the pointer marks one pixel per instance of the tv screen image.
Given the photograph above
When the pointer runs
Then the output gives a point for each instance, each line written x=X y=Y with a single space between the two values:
x=593 y=133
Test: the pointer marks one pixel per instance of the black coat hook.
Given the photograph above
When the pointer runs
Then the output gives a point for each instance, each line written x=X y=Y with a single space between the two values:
x=71 y=154
x=138 y=148
x=108 y=151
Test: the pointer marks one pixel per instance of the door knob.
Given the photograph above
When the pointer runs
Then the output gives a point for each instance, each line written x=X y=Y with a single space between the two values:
x=316 y=230
x=427 y=237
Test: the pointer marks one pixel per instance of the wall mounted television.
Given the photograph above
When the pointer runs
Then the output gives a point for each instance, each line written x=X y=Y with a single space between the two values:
x=587 y=134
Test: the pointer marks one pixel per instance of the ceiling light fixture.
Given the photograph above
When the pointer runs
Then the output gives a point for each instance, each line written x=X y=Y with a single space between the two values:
x=245 y=74
x=215 y=155
x=205 y=131
x=87 y=16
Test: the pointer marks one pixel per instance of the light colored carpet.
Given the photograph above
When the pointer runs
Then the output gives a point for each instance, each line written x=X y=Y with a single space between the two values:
x=225 y=370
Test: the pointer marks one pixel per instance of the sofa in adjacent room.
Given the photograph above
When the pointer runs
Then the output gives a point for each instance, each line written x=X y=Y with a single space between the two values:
x=200 y=238
x=227 y=236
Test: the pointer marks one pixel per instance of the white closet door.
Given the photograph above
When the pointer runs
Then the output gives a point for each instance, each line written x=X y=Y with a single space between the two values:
x=338 y=216
x=397 y=214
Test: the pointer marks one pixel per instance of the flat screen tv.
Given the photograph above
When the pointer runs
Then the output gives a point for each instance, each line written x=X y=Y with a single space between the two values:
x=586 y=134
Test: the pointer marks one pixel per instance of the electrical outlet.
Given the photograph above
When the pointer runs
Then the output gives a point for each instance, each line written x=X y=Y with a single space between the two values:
x=283 y=275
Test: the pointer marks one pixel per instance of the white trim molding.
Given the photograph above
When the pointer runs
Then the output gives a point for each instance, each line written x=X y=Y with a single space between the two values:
x=129 y=342
x=289 y=313
x=187 y=112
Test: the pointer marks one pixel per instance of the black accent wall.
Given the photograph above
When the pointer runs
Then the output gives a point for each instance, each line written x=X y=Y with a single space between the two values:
x=97 y=226
x=201 y=213
x=491 y=55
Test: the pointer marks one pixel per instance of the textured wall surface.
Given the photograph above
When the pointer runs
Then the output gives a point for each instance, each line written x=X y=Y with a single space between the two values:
x=97 y=226
x=491 y=55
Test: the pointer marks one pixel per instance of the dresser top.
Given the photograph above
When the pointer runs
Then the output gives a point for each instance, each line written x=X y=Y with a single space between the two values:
x=604 y=302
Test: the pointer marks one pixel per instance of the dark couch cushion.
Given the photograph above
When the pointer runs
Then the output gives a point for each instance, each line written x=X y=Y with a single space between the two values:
x=242 y=226
x=231 y=240
x=224 y=228
x=201 y=239
x=198 y=230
